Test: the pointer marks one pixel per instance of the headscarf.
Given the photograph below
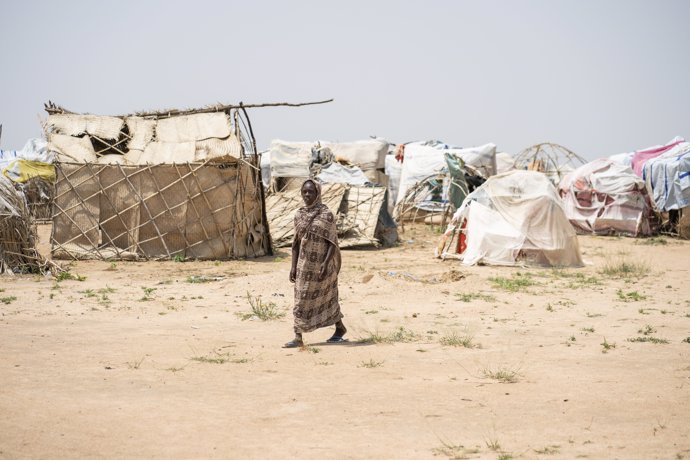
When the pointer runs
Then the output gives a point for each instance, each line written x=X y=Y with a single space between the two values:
x=318 y=219
x=307 y=214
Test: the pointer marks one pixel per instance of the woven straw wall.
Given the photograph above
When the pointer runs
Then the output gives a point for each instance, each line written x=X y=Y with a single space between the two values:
x=190 y=210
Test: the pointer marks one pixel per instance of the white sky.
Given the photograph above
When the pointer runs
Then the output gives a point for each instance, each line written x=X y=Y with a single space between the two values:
x=599 y=77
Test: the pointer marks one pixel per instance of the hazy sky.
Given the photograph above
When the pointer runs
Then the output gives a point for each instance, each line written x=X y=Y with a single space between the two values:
x=600 y=77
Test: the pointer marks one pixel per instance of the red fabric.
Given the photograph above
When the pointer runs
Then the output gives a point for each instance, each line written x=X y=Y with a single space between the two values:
x=462 y=239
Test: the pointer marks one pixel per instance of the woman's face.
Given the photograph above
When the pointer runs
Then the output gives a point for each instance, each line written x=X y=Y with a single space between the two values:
x=308 y=193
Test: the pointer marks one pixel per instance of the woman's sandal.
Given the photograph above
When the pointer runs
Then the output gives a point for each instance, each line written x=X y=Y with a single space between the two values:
x=336 y=339
x=294 y=344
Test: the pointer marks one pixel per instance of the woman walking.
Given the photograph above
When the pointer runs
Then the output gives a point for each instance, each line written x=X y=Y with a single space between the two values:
x=315 y=266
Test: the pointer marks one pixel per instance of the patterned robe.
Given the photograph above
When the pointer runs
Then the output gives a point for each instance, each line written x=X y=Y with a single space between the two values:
x=316 y=301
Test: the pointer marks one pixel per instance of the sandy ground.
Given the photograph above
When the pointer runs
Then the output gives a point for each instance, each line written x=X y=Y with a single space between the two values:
x=137 y=361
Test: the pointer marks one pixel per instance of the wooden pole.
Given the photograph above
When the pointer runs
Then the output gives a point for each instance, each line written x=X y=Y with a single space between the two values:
x=53 y=108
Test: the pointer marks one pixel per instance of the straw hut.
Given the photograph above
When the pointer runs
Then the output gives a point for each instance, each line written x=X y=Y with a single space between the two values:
x=156 y=185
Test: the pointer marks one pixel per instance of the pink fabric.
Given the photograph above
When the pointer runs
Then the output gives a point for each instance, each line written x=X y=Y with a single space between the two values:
x=642 y=156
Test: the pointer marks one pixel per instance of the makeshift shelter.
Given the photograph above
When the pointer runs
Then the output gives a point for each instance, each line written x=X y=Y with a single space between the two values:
x=296 y=159
x=362 y=219
x=157 y=185
x=667 y=177
x=31 y=170
x=432 y=179
x=354 y=188
x=604 y=197
x=514 y=218
x=554 y=160
x=18 y=252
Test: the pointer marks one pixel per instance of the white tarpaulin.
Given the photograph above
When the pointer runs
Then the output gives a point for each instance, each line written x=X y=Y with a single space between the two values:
x=141 y=132
x=420 y=162
x=482 y=158
x=191 y=128
x=74 y=125
x=369 y=154
x=393 y=172
x=517 y=218
x=168 y=152
x=504 y=162
x=604 y=197
x=265 y=168
x=335 y=173
x=33 y=150
x=290 y=159
x=72 y=149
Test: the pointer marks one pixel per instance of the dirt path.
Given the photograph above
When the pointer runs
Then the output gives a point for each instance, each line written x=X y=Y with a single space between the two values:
x=155 y=360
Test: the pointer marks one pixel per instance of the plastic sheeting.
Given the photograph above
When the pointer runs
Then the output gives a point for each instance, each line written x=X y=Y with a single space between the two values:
x=504 y=162
x=192 y=128
x=605 y=197
x=517 y=218
x=290 y=159
x=482 y=158
x=422 y=161
x=335 y=173
x=640 y=157
x=141 y=130
x=72 y=149
x=23 y=170
x=367 y=155
x=667 y=178
x=13 y=162
x=393 y=171
x=103 y=127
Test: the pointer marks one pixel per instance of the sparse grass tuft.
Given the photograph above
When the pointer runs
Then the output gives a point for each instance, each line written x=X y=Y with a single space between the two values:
x=548 y=450
x=370 y=364
x=653 y=241
x=456 y=339
x=264 y=311
x=576 y=280
x=62 y=276
x=470 y=296
x=454 y=451
x=8 y=299
x=147 y=294
x=195 y=279
x=503 y=374
x=632 y=296
x=310 y=349
x=493 y=444
x=606 y=346
x=518 y=282
x=648 y=338
x=398 y=335
x=623 y=268
x=219 y=358
x=135 y=364
x=647 y=330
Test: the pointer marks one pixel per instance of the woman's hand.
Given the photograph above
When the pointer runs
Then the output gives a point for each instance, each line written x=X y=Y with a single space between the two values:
x=293 y=274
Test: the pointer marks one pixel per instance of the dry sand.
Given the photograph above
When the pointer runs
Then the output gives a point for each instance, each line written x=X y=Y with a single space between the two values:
x=91 y=369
